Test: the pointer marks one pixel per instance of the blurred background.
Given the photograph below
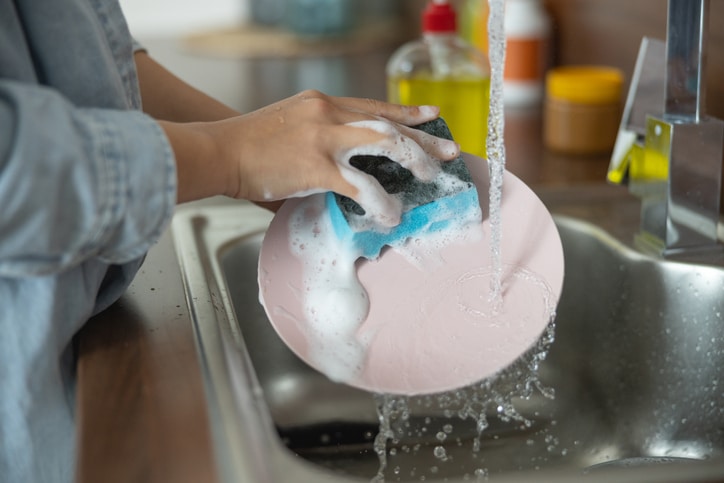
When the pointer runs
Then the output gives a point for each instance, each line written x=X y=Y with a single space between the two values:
x=250 y=53
x=583 y=31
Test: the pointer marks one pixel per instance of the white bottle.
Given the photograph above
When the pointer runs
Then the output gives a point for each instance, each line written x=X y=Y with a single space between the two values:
x=527 y=52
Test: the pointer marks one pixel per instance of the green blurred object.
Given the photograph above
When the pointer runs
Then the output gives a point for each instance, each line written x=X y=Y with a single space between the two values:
x=320 y=18
x=473 y=25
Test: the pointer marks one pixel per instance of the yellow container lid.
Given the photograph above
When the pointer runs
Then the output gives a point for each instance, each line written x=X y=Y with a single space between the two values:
x=585 y=84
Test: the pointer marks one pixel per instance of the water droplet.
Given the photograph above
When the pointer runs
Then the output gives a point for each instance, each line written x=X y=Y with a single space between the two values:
x=481 y=473
x=440 y=452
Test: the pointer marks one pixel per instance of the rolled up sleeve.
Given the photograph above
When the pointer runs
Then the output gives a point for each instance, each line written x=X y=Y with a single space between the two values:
x=78 y=183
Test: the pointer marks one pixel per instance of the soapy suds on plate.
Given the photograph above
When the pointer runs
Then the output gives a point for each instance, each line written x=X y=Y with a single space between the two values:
x=335 y=302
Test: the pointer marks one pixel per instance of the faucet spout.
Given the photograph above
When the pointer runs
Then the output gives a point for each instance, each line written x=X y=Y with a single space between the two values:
x=686 y=59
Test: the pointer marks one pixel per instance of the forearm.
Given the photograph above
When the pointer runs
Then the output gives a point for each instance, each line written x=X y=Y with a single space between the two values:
x=200 y=169
x=182 y=110
x=166 y=97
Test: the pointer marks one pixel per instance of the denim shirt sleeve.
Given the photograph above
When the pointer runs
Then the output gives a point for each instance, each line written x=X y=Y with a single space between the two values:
x=78 y=182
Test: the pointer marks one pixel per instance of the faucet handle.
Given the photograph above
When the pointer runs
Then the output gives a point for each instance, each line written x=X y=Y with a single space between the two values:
x=645 y=97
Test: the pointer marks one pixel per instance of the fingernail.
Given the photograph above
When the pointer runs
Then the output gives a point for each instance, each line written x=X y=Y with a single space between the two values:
x=431 y=173
x=429 y=111
x=392 y=216
x=387 y=220
x=453 y=148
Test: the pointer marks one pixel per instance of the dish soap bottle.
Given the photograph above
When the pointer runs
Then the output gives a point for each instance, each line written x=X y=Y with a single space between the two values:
x=443 y=70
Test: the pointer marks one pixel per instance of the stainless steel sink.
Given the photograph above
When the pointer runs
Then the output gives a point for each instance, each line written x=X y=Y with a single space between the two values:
x=636 y=367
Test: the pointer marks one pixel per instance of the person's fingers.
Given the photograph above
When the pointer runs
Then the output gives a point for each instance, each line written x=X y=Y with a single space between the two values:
x=440 y=148
x=381 y=207
x=407 y=115
x=403 y=149
x=351 y=110
x=397 y=147
x=321 y=134
x=383 y=138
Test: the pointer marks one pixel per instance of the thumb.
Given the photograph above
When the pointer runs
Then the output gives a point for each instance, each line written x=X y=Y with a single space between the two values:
x=380 y=207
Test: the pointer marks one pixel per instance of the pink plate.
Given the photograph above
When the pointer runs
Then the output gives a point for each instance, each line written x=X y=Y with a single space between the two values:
x=431 y=325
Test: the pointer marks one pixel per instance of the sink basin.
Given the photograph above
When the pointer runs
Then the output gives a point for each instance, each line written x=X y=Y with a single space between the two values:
x=631 y=388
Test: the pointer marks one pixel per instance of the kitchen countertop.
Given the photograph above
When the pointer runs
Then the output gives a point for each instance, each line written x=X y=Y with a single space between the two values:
x=141 y=412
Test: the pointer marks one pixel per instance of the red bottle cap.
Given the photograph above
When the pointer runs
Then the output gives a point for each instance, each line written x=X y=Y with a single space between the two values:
x=439 y=17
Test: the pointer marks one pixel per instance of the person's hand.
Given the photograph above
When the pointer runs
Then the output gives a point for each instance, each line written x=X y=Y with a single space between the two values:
x=303 y=145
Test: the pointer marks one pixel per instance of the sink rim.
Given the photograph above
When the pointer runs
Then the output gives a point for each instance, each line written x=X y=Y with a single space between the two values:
x=199 y=233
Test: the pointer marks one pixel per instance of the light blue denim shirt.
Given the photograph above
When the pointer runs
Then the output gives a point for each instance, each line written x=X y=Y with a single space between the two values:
x=87 y=184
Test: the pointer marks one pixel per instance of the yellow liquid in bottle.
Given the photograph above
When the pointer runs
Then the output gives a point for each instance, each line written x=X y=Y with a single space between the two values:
x=463 y=104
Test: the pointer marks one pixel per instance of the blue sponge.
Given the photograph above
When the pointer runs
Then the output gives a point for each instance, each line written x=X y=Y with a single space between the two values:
x=427 y=206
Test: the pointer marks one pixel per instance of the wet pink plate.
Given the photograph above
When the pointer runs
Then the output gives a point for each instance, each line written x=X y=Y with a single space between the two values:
x=431 y=326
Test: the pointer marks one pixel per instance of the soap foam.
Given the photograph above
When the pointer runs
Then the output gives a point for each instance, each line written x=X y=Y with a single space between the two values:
x=335 y=302
x=424 y=251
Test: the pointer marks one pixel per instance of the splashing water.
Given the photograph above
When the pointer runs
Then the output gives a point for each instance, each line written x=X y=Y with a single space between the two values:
x=404 y=431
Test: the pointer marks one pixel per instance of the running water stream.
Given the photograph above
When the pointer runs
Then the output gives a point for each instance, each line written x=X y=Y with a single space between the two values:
x=495 y=143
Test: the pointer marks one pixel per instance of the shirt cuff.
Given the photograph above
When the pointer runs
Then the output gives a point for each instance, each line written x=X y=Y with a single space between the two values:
x=139 y=180
x=138 y=46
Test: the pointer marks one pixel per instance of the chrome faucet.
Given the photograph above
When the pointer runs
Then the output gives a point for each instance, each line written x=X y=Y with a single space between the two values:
x=668 y=151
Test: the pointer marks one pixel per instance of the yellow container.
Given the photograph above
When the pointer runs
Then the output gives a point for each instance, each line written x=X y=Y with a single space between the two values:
x=463 y=103
x=583 y=109
x=442 y=69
